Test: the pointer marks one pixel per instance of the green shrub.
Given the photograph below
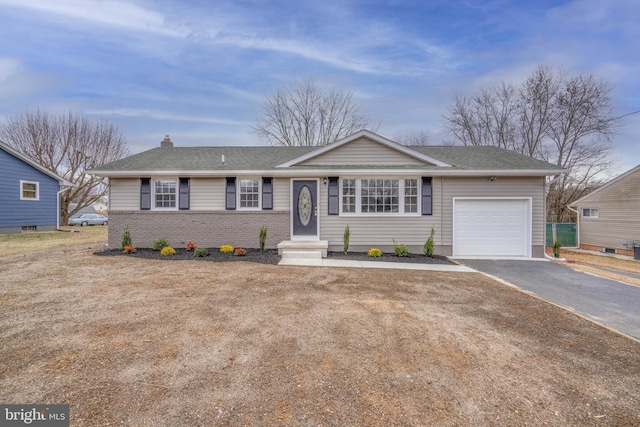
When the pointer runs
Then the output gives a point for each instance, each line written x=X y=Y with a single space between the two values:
x=160 y=244
x=126 y=239
x=429 y=247
x=167 y=251
x=556 y=248
x=226 y=249
x=263 y=237
x=374 y=252
x=201 y=252
x=400 y=249
x=347 y=234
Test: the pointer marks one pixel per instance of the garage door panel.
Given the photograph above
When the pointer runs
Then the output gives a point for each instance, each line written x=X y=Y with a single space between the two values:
x=491 y=227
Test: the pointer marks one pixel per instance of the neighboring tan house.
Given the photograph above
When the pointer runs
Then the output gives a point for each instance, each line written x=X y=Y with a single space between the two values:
x=609 y=217
x=29 y=194
x=481 y=201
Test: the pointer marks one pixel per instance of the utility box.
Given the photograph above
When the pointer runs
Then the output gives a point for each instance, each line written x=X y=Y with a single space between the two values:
x=636 y=252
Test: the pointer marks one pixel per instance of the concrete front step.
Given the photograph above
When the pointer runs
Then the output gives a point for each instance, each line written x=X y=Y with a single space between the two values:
x=288 y=253
x=299 y=246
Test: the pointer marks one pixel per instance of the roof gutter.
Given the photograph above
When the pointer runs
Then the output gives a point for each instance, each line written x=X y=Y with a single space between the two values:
x=330 y=172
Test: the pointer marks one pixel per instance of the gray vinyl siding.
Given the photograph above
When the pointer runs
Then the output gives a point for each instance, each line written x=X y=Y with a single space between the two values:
x=205 y=194
x=363 y=151
x=16 y=213
x=619 y=214
x=379 y=231
x=502 y=187
x=281 y=194
x=124 y=194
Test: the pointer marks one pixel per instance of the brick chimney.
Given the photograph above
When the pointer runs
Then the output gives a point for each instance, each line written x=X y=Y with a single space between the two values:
x=166 y=142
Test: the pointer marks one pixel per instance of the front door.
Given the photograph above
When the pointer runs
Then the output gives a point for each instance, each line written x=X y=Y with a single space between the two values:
x=304 y=202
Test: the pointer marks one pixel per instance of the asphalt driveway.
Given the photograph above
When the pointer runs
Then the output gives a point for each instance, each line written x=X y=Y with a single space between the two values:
x=612 y=303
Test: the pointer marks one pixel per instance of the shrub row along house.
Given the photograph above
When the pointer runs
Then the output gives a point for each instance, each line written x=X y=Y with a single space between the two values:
x=29 y=194
x=481 y=201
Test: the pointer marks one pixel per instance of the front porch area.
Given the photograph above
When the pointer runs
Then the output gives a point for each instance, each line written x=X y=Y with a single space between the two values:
x=311 y=251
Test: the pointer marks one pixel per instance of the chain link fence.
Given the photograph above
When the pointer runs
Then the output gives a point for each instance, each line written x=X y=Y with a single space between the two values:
x=565 y=232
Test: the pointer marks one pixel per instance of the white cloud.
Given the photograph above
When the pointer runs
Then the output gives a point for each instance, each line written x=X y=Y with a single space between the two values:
x=166 y=116
x=113 y=13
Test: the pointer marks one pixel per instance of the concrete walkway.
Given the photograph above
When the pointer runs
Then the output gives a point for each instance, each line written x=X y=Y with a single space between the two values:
x=324 y=262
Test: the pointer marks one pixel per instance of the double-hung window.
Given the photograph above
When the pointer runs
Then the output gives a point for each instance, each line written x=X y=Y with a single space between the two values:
x=379 y=196
x=165 y=194
x=249 y=193
x=29 y=190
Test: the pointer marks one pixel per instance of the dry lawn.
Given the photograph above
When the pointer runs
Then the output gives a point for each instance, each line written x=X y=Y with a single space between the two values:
x=27 y=242
x=601 y=264
x=139 y=342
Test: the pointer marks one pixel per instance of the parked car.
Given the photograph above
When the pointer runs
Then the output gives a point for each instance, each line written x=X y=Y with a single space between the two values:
x=89 y=219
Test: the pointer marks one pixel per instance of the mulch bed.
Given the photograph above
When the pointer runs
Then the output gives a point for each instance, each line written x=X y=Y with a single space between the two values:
x=270 y=256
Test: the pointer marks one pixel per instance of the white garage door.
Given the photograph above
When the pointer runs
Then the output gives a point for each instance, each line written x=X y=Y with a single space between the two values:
x=491 y=227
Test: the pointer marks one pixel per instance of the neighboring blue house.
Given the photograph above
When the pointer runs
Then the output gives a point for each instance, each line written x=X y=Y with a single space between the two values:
x=29 y=194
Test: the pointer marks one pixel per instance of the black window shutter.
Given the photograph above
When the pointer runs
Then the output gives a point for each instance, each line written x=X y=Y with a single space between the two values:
x=427 y=196
x=145 y=193
x=334 y=196
x=230 y=199
x=183 y=194
x=267 y=193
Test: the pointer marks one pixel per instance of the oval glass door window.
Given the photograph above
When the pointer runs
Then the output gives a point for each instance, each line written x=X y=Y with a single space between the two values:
x=304 y=205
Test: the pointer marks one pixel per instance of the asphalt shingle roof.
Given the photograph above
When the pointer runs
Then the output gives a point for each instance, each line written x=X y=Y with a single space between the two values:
x=265 y=158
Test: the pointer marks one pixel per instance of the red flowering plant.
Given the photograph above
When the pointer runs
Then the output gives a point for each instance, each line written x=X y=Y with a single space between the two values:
x=240 y=252
x=191 y=246
x=128 y=249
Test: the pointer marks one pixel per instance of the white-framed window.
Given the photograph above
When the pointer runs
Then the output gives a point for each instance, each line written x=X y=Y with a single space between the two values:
x=29 y=190
x=164 y=194
x=349 y=195
x=411 y=195
x=249 y=193
x=379 y=196
x=590 y=212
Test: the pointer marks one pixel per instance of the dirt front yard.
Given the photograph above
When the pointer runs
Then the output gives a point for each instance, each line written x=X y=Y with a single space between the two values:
x=140 y=342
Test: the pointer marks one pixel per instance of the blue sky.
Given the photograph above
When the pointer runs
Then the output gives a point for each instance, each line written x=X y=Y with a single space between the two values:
x=199 y=70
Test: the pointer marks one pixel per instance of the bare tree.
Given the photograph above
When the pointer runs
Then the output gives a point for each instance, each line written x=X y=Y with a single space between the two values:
x=415 y=139
x=304 y=114
x=67 y=144
x=564 y=120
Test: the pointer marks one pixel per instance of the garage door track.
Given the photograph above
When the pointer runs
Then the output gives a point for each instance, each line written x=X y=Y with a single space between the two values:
x=609 y=302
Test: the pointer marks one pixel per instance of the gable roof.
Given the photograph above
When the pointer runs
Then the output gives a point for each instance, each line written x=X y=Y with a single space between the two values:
x=372 y=136
x=606 y=185
x=285 y=161
x=34 y=164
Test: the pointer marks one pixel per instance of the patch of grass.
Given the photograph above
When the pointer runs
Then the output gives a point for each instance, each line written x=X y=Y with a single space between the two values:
x=27 y=242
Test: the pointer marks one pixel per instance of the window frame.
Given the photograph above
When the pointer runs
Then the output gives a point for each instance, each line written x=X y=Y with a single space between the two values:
x=401 y=197
x=597 y=215
x=37 y=191
x=154 y=205
x=239 y=206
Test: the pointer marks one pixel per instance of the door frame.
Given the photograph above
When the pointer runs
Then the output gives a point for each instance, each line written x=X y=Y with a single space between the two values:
x=292 y=209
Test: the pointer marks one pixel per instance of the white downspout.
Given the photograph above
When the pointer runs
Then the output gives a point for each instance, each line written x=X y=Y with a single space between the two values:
x=59 y=193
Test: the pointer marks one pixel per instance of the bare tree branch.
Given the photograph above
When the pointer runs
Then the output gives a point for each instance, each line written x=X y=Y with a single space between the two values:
x=67 y=144
x=564 y=120
x=306 y=115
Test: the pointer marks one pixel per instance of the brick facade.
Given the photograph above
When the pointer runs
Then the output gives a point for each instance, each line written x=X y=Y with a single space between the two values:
x=210 y=229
